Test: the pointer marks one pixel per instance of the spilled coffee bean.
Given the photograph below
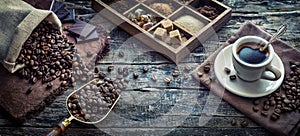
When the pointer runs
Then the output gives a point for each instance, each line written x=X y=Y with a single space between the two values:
x=200 y=74
x=167 y=80
x=227 y=70
x=135 y=75
x=187 y=67
x=232 y=77
x=255 y=109
x=110 y=68
x=233 y=122
x=207 y=68
x=244 y=123
x=175 y=73
x=154 y=78
x=145 y=69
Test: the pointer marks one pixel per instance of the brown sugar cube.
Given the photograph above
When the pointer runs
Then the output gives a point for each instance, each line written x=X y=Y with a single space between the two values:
x=160 y=33
x=175 y=37
x=167 y=24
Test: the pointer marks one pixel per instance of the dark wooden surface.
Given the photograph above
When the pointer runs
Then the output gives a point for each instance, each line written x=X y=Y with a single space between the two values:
x=144 y=107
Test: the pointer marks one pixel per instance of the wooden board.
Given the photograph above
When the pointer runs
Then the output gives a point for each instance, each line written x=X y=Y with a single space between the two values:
x=119 y=16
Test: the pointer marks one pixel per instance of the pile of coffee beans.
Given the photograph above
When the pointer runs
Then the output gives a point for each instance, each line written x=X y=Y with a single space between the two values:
x=92 y=102
x=209 y=11
x=286 y=98
x=47 y=55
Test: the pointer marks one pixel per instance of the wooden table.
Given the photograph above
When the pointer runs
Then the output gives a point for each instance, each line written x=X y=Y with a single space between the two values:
x=169 y=111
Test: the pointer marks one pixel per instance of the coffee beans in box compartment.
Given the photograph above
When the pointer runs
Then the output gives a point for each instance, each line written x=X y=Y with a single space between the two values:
x=92 y=102
x=287 y=98
x=47 y=55
x=209 y=11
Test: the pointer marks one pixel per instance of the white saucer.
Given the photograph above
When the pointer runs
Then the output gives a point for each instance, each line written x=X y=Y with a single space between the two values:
x=240 y=87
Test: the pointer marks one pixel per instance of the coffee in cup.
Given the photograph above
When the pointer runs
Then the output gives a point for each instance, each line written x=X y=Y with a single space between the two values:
x=250 y=63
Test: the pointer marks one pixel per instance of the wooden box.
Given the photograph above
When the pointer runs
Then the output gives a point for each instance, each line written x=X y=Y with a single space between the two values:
x=125 y=14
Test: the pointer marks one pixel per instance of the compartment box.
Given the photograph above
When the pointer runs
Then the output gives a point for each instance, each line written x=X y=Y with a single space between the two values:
x=191 y=19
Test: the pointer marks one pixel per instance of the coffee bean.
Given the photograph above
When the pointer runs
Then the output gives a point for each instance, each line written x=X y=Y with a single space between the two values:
x=167 y=80
x=277 y=110
x=102 y=75
x=244 y=123
x=107 y=40
x=121 y=54
x=187 y=67
x=233 y=122
x=274 y=117
x=232 y=39
x=227 y=70
x=266 y=107
x=135 y=75
x=110 y=68
x=49 y=85
x=175 y=73
x=273 y=102
x=29 y=90
x=120 y=70
x=186 y=76
x=266 y=102
x=232 y=77
x=200 y=74
x=256 y=102
x=207 y=68
x=255 y=109
x=125 y=71
x=64 y=83
x=286 y=101
x=264 y=113
x=278 y=106
x=145 y=69
x=33 y=80
x=153 y=78
x=96 y=70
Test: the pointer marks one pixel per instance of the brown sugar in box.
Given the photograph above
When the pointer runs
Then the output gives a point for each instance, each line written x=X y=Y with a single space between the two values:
x=175 y=37
x=167 y=24
x=160 y=33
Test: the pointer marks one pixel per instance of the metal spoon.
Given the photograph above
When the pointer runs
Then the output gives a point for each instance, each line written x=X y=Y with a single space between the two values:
x=280 y=32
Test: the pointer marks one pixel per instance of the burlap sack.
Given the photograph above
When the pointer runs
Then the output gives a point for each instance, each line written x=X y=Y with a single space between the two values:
x=17 y=20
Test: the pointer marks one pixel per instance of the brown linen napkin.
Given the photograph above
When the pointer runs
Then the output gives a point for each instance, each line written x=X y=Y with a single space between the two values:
x=288 y=123
x=21 y=99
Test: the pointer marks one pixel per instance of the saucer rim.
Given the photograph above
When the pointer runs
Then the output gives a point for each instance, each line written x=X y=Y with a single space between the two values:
x=244 y=94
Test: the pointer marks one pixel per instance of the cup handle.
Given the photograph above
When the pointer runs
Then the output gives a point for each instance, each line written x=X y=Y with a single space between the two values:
x=274 y=70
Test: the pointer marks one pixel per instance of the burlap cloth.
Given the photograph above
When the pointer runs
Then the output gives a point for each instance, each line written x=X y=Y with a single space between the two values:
x=288 y=124
x=13 y=93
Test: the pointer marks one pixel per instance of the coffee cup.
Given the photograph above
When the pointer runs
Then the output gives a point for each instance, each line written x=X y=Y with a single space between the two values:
x=250 y=63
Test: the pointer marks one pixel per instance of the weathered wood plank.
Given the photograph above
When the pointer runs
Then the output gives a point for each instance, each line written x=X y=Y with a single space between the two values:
x=7 y=131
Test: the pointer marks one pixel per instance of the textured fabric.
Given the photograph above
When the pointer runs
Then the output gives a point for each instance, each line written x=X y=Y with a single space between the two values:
x=288 y=124
x=18 y=20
